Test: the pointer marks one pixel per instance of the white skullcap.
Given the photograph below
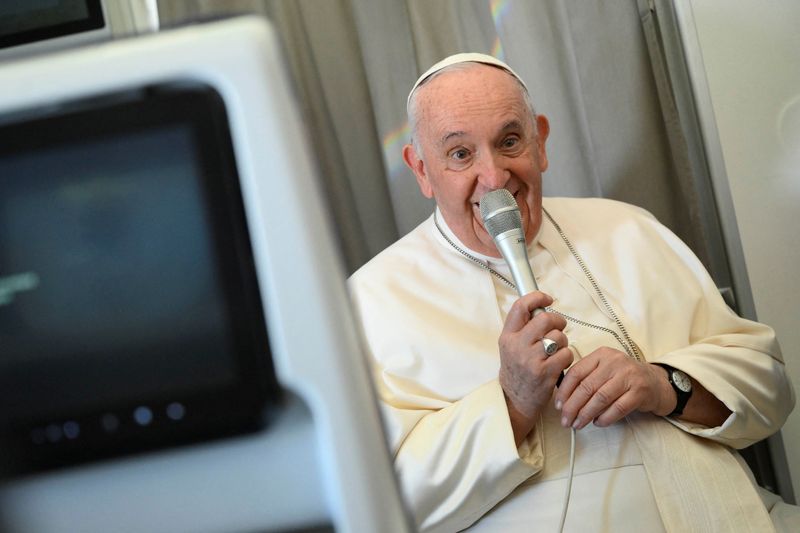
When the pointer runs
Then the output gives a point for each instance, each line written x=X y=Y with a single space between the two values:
x=469 y=57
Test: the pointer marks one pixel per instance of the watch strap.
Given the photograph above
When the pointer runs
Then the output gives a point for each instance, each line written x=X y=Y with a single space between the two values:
x=682 y=395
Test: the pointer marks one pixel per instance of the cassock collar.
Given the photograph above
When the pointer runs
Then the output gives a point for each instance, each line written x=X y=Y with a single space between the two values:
x=490 y=260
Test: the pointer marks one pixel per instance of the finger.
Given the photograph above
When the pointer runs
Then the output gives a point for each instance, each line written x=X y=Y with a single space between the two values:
x=535 y=300
x=574 y=377
x=557 y=337
x=603 y=398
x=558 y=362
x=520 y=313
x=561 y=360
x=622 y=407
x=543 y=325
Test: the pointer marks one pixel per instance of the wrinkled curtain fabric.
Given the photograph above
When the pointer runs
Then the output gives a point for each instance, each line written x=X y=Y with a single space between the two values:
x=586 y=63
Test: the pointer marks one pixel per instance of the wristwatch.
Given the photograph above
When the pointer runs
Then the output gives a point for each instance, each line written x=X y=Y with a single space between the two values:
x=682 y=385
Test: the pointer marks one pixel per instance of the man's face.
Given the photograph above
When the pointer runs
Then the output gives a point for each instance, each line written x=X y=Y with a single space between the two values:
x=476 y=135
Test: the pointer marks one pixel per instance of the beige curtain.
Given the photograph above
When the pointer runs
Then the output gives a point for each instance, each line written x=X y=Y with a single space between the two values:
x=586 y=63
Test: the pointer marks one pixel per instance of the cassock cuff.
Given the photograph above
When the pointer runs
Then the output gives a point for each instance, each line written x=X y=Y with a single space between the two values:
x=531 y=449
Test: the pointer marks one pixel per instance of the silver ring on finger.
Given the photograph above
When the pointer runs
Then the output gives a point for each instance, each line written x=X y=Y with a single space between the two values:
x=550 y=346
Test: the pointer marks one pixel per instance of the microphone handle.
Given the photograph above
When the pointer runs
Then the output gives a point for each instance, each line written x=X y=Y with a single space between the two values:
x=514 y=249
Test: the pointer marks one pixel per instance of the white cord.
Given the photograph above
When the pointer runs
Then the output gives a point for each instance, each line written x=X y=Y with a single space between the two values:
x=569 y=481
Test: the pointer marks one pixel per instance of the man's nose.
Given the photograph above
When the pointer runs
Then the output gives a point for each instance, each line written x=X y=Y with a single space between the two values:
x=492 y=173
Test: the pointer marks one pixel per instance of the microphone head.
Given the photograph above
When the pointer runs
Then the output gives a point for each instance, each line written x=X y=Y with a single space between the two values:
x=500 y=212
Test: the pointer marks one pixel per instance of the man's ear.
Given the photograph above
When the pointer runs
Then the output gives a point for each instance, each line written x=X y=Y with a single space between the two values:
x=542 y=131
x=417 y=166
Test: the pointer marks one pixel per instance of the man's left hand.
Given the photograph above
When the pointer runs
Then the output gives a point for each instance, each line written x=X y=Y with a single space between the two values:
x=607 y=385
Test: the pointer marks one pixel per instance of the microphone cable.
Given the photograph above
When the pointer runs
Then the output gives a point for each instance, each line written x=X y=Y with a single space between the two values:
x=569 y=480
x=503 y=222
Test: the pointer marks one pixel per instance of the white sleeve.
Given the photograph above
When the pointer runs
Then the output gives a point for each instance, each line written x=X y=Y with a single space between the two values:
x=457 y=462
x=736 y=360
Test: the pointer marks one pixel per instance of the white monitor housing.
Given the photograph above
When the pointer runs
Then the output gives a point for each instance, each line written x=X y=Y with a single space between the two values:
x=322 y=460
x=29 y=27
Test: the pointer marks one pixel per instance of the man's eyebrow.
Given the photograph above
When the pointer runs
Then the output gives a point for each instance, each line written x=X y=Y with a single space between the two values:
x=447 y=136
x=512 y=125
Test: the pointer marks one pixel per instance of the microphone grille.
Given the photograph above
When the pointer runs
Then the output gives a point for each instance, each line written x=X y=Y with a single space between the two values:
x=500 y=212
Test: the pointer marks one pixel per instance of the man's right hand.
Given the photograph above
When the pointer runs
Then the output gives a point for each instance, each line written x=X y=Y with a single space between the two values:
x=527 y=375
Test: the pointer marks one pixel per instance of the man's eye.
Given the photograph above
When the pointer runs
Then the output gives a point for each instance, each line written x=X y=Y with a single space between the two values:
x=460 y=154
x=510 y=142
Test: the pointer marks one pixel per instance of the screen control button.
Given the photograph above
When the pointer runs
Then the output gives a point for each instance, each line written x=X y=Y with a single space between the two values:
x=143 y=415
x=176 y=411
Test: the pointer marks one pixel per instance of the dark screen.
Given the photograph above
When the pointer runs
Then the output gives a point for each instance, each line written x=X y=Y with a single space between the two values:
x=106 y=259
x=127 y=280
x=25 y=21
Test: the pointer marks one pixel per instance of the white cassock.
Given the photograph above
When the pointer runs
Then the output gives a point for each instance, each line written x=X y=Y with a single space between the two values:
x=432 y=318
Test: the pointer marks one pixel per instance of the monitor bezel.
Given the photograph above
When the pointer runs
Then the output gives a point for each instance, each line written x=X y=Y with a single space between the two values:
x=240 y=406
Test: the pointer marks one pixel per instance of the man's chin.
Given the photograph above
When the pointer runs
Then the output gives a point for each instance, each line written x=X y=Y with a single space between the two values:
x=488 y=247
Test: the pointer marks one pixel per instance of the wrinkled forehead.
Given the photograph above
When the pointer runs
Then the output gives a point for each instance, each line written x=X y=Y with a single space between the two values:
x=470 y=100
x=471 y=105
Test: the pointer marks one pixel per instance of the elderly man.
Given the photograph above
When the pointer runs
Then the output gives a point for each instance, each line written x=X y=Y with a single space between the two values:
x=663 y=378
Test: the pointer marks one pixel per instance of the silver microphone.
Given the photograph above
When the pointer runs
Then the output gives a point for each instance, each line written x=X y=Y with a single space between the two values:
x=503 y=222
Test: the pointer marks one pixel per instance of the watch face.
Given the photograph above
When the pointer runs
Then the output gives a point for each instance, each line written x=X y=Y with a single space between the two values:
x=681 y=381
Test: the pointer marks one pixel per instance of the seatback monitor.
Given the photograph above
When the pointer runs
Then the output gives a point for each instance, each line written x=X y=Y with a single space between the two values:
x=127 y=284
